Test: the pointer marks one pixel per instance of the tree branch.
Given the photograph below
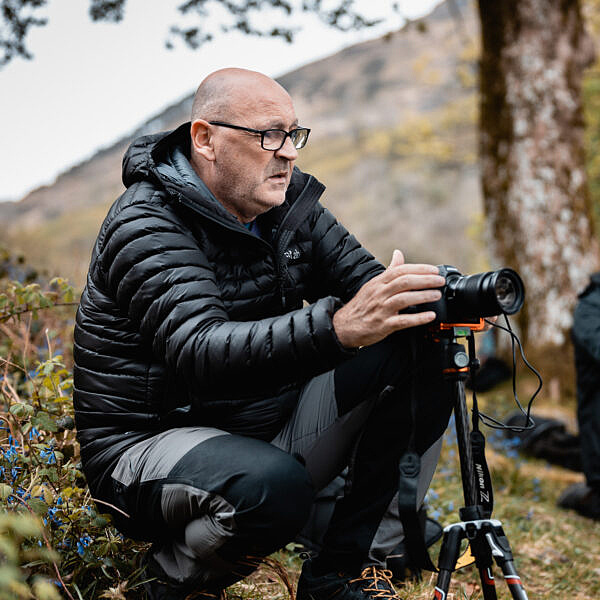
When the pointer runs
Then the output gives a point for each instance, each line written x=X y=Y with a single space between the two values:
x=5 y=317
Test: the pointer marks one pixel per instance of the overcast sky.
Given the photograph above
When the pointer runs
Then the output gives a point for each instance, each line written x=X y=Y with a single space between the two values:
x=89 y=83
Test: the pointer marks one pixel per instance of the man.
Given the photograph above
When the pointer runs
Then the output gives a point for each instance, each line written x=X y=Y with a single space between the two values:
x=236 y=348
x=584 y=497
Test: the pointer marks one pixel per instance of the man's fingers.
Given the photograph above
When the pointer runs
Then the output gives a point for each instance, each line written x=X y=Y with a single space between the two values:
x=395 y=271
x=397 y=258
x=403 y=300
x=404 y=321
x=413 y=282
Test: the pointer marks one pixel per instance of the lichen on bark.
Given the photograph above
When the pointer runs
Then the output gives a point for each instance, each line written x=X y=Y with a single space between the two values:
x=536 y=201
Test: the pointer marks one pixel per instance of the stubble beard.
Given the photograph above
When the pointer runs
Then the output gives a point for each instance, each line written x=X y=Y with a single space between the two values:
x=244 y=197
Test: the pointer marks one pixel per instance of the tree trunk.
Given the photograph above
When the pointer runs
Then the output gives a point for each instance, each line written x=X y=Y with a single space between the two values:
x=535 y=189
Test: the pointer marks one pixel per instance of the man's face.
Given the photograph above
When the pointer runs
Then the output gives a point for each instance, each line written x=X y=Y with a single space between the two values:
x=249 y=180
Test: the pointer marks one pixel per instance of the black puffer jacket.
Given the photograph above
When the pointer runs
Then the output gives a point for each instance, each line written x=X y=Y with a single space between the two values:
x=586 y=338
x=586 y=322
x=188 y=318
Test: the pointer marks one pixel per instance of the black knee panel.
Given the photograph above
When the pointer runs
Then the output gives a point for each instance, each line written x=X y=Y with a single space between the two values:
x=270 y=491
x=275 y=496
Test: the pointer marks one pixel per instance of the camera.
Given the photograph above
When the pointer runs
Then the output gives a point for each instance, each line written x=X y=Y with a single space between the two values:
x=468 y=298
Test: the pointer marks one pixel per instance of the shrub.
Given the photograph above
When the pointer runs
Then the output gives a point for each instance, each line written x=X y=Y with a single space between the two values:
x=53 y=541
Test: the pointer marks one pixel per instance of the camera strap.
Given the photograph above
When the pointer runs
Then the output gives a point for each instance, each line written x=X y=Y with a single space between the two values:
x=410 y=467
x=483 y=481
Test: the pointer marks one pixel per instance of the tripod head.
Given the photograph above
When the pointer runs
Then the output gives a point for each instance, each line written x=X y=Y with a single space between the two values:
x=457 y=363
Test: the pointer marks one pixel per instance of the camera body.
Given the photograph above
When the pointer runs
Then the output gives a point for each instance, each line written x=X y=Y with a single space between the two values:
x=468 y=298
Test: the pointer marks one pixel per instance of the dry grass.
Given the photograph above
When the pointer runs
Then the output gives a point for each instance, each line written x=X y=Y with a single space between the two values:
x=557 y=552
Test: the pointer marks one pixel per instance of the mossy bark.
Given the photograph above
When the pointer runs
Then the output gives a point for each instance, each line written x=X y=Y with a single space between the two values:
x=537 y=205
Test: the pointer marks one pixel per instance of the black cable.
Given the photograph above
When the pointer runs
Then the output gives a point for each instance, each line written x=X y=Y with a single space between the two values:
x=529 y=422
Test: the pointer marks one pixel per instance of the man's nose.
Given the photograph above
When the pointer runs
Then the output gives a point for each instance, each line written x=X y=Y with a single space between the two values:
x=288 y=150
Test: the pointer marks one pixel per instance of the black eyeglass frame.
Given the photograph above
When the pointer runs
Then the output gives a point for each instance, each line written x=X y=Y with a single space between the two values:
x=263 y=132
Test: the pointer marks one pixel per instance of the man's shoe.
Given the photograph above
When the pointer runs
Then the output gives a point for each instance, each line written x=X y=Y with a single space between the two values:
x=206 y=596
x=581 y=498
x=372 y=584
x=160 y=587
x=162 y=590
x=548 y=440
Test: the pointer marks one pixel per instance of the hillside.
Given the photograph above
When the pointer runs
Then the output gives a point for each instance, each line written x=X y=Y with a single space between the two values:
x=393 y=123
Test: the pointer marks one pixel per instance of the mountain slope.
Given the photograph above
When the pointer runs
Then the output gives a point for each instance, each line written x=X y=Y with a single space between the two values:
x=393 y=138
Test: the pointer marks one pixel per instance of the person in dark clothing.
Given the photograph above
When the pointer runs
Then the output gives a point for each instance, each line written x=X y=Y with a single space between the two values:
x=236 y=348
x=584 y=497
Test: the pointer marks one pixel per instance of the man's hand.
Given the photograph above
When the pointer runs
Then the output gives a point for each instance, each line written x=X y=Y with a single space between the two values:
x=373 y=313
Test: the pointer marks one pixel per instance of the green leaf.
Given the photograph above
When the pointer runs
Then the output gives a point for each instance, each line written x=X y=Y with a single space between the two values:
x=45 y=302
x=48 y=383
x=47 y=367
x=21 y=410
x=38 y=506
x=5 y=491
x=43 y=420
x=99 y=521
x=50 y=474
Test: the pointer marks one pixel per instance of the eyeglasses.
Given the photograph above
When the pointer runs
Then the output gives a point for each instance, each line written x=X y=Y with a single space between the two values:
x=273 y=139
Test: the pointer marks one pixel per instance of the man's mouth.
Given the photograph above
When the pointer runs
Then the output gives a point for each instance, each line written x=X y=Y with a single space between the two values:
x=279 y=177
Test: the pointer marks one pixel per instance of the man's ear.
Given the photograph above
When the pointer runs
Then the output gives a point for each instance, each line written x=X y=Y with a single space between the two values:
x=202 y=141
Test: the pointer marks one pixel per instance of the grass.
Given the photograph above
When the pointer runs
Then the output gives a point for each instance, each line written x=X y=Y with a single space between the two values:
x=557 y=552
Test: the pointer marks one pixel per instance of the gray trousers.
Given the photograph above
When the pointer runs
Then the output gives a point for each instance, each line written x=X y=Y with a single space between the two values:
x=198 y=513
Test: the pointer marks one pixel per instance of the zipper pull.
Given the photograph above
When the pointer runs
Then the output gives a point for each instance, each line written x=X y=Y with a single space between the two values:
x=281 y=284
x=283 y=297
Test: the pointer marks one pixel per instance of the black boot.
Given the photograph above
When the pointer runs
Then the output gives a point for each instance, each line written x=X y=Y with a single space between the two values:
x=160 y=587
x=583 y=499
x=372 y=583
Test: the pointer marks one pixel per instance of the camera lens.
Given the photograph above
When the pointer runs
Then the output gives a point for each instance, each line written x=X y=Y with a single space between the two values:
x=485 y=294
x=506 y=294
x=509 y=290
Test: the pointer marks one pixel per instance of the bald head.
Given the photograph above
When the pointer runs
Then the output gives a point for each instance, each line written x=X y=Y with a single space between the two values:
x=232 y=111
x=224 y=94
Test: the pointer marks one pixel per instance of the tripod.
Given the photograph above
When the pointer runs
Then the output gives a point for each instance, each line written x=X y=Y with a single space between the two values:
x=486 y=538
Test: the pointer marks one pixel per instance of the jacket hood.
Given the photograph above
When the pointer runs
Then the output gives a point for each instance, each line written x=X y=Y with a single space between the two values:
x=139 y=161
x=164 y=158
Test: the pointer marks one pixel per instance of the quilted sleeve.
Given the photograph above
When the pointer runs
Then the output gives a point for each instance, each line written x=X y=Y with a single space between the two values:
x=152 y=266
x=341 y=265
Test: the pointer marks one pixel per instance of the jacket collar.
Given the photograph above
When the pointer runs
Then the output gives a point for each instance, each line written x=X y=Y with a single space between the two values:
x=169 y=160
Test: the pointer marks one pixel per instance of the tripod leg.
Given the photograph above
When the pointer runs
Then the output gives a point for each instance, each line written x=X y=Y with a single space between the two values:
x=484 y=562
x=488 y=584
x=513 y=581
x=502 y=553
x=447 y=560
